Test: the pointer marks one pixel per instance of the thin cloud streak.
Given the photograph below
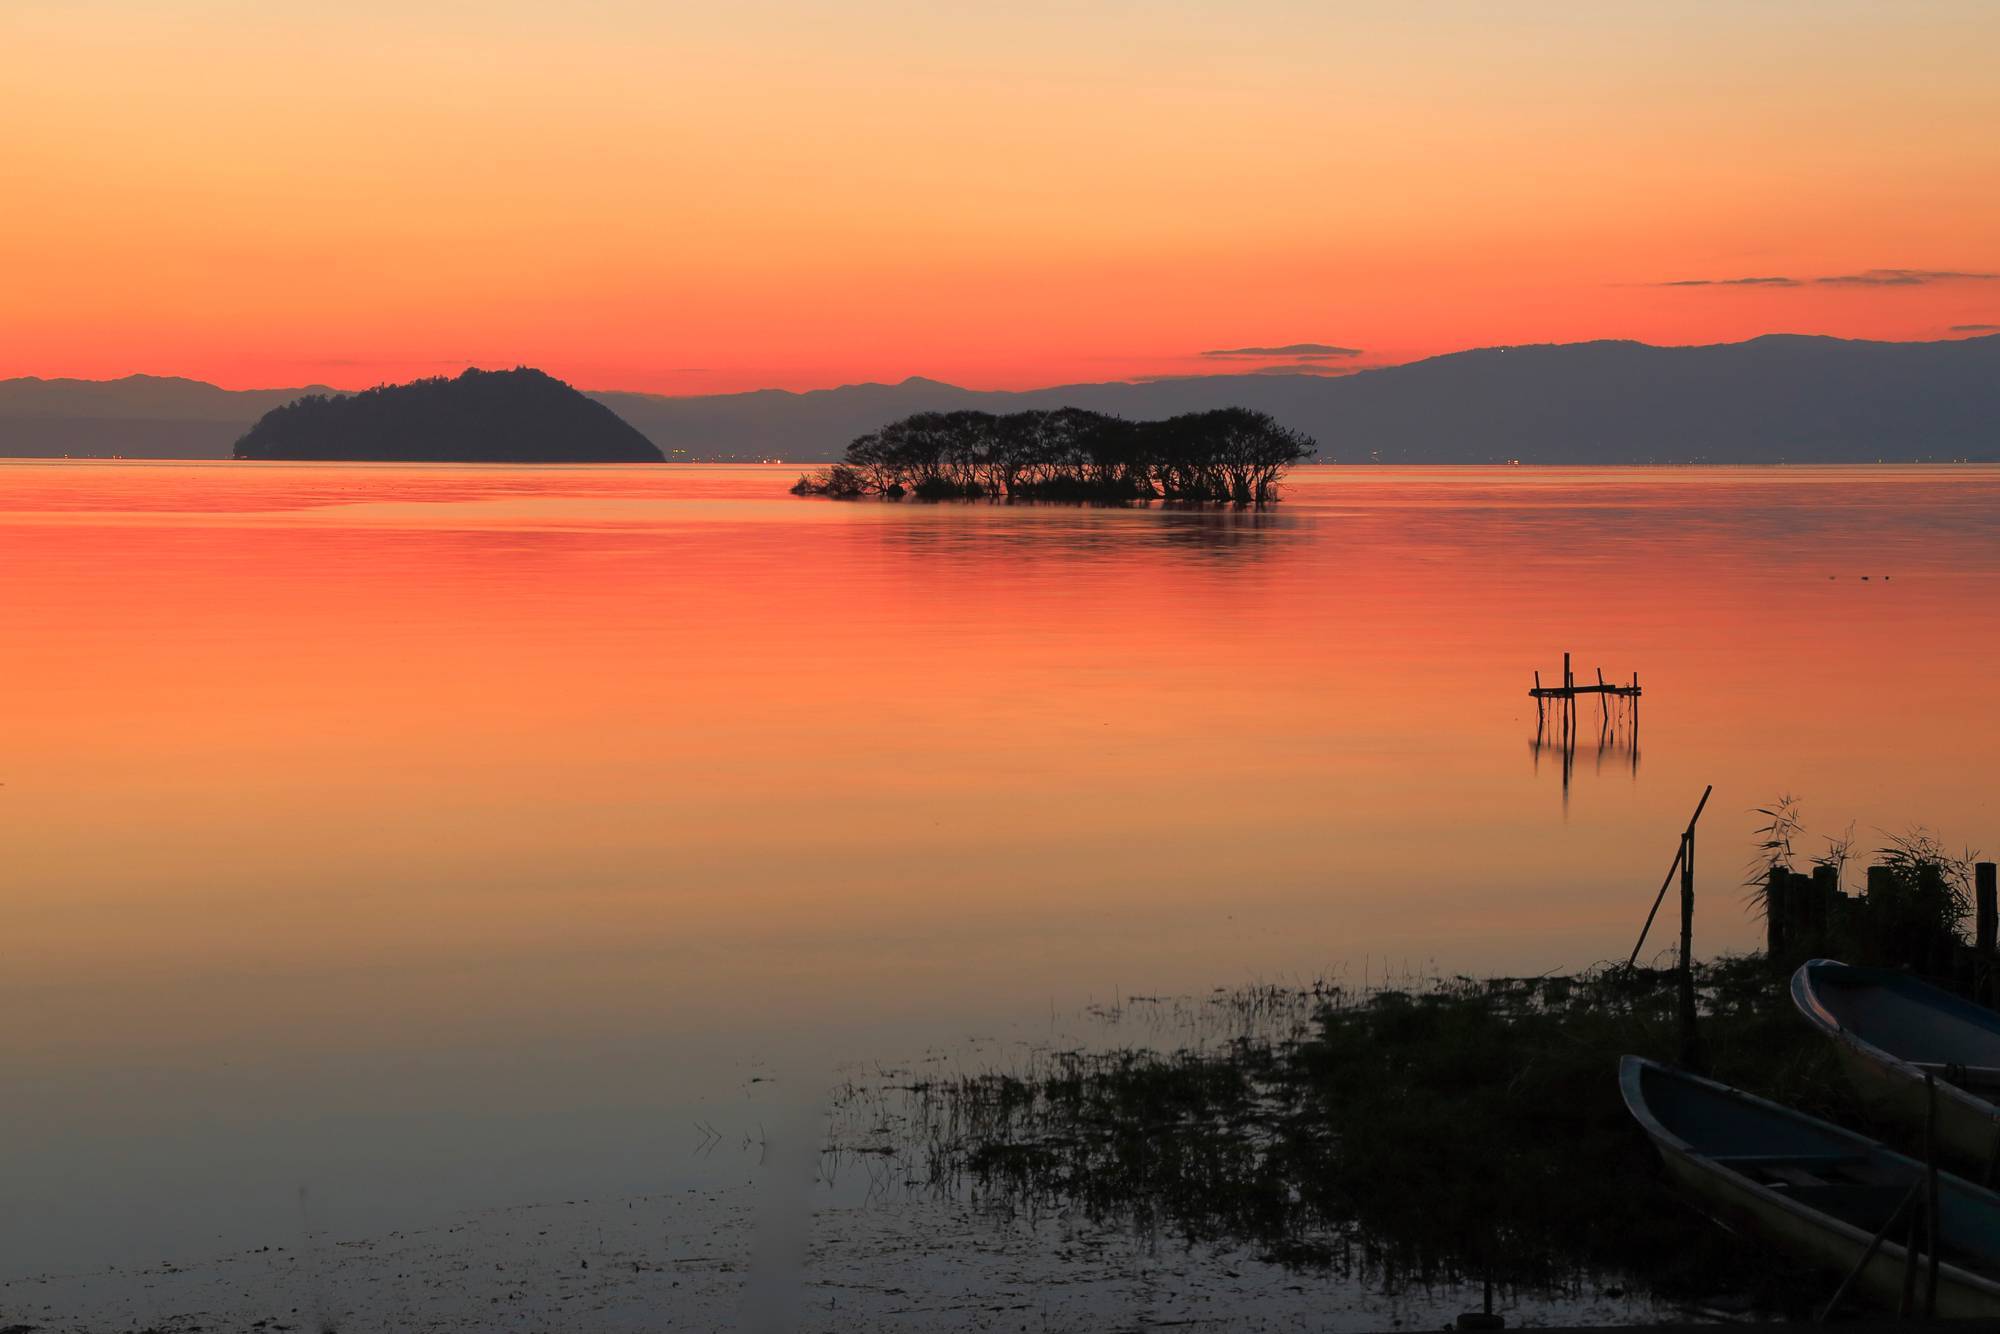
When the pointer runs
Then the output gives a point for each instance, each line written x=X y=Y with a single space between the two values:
x=1905 y=278
x=1298 y=351
x=1865 y=278
x=1732 y=282
x=1318 y=369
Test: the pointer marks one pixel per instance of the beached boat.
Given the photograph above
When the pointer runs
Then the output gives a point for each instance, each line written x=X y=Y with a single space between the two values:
x=1891 y=1030
x=1814 y=1190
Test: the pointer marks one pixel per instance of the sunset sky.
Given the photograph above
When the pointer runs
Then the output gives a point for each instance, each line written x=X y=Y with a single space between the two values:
x=778 y=193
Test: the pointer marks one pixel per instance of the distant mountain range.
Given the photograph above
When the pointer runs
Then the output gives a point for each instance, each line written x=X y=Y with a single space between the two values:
x=140 y=416
x=1783 y=398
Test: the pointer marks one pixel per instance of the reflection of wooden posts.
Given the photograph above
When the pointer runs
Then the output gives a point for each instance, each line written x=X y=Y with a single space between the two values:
x=1563 y=731
x=1569 y=715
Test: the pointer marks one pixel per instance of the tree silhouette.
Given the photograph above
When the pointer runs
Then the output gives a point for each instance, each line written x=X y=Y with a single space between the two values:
x=1233 y=455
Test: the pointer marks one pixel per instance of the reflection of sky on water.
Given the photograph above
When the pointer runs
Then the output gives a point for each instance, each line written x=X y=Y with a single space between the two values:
x=441 y=838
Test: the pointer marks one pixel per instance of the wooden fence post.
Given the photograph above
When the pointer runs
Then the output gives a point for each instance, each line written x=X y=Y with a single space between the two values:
x=1779 y=912
x=1985 y=980
x=1826 y=893
x=1988 y=914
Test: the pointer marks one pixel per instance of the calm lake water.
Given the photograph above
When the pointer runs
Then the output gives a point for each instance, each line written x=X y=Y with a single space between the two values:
x=387 y=843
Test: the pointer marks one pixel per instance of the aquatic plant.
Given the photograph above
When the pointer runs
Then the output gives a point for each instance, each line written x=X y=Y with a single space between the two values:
x=1456 y=1130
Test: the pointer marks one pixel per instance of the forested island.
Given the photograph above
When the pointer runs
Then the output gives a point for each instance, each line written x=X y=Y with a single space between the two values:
x=517 y=416
x=1231 y=455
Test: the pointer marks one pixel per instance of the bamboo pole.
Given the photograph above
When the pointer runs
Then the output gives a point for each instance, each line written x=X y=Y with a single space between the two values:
x=1661 y=897
x=1690 y=1047
x=1658 y=899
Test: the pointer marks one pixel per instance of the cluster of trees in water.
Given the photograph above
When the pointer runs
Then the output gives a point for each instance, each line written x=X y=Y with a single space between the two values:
x=1233 y=455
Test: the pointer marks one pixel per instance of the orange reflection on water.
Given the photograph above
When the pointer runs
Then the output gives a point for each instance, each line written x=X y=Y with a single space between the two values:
x=497 y=771
x=606 y=752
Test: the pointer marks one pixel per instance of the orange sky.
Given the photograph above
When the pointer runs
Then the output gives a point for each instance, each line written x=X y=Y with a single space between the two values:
x=794 y=194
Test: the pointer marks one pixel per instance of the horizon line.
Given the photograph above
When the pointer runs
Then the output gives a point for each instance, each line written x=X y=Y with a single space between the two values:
x=1951 y=336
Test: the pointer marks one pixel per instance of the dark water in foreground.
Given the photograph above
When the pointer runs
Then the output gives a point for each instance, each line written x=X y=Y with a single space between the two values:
x=435 y=838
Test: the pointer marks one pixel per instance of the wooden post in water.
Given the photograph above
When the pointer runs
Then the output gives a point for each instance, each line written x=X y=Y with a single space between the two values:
x=1688 y=885
x=1690 y=1048
x=1569 y=701
x=1635 y=722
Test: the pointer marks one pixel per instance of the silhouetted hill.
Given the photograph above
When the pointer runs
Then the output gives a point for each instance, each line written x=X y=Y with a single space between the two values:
x=517 y=416
x=1782 y=398
x=1777 y=399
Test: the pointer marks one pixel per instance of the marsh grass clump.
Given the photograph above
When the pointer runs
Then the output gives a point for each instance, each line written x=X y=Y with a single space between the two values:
x=1455 y=1131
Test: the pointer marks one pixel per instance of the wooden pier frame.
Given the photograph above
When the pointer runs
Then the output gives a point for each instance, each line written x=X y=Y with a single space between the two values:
x=1617 y=734
x=1569 y=689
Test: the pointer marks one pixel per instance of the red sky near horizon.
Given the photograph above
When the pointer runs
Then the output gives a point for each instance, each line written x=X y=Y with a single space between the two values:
x=799 y=194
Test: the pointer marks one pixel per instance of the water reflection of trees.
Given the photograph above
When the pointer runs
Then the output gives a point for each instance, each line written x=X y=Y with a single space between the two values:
x=1065 y=532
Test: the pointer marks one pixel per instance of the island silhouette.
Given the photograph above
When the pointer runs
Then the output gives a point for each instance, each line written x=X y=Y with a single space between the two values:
x=1236 y=455
x=518 y=416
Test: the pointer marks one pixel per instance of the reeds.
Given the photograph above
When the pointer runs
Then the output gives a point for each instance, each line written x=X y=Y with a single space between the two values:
x=1446 y=1131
